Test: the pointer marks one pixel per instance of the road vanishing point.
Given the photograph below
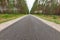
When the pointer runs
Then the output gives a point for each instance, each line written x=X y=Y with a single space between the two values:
x=29 y=28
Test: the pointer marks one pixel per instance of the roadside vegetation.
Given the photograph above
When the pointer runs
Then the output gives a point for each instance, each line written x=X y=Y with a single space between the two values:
x=47 y=9
x=7 y=17
x=52 y=18
x=12 y=9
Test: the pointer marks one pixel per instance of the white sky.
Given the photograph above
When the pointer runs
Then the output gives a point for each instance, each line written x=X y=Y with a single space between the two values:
x=30 y=3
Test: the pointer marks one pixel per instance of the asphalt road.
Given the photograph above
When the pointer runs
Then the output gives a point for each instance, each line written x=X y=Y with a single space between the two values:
x=29 y=28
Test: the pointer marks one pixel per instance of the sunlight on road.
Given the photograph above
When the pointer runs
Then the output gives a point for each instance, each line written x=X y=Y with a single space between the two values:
x=30 y=3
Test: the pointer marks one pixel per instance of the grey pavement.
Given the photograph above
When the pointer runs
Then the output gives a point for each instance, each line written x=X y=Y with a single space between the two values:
x=29 y=28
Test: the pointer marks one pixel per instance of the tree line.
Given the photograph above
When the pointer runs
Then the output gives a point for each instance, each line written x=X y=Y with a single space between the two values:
x=15 y=6
x=46 y=7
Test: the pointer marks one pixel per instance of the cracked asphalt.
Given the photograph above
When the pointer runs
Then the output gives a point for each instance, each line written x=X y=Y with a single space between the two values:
x=29 y=28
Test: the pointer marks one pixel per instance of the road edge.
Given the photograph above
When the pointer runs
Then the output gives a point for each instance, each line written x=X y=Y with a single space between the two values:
x=51 y=24
x=8 y=23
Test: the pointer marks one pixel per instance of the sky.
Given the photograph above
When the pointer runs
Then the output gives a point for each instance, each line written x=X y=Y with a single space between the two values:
x=30 y=3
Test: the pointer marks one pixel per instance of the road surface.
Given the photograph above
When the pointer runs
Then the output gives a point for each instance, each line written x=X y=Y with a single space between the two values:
x=29 y=28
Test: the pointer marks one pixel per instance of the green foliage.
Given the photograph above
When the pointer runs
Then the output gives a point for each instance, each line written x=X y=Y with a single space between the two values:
x=34 y=8
x=21 y=6
x=47 y=6
x=7 y=17
x=54 y=17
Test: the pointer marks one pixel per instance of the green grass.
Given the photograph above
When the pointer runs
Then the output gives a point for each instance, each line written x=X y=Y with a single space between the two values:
x=52 y=18
x=7 y=17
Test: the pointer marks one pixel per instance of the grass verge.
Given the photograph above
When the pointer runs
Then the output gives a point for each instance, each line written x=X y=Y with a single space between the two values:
x=7 y=17
x=52 y=18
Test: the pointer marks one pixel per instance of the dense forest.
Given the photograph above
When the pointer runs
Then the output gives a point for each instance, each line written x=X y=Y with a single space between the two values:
x=46 y=7
x=8 y=6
